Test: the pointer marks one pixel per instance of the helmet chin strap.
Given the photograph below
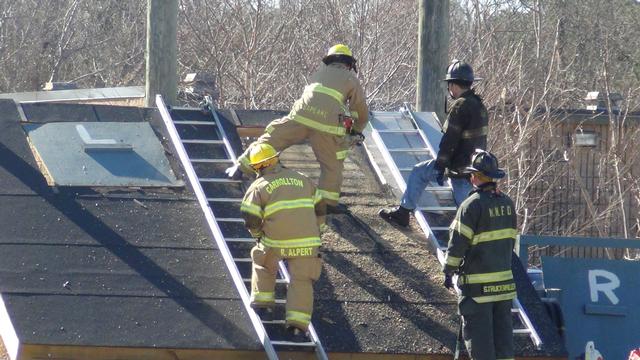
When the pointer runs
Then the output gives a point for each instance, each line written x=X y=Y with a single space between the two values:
x=449 y=91
x=266 y=164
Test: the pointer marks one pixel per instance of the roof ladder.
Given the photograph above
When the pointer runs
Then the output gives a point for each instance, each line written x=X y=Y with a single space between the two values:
x=202 y=136
x=402 y=139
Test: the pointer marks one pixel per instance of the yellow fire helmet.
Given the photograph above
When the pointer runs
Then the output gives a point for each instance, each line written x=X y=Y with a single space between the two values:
x=339 y=49
x=262 y=156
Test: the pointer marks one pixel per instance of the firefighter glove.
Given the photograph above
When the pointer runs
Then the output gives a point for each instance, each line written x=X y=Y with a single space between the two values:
x=355 y=138
x=233 y=172
x=448 y=282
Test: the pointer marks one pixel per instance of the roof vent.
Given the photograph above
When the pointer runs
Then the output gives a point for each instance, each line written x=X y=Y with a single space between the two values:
x=597 y=101
x=200 y=84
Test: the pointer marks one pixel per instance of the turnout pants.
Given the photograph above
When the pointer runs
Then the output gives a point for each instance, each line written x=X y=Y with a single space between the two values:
x=303 y=271
x=330 y=151
x=487 y=329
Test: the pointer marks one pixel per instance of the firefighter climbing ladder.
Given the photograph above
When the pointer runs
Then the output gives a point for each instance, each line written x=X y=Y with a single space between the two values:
x=204 y=149
x=404 y=139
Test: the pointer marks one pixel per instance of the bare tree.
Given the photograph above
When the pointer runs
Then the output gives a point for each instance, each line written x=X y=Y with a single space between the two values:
x=94 y=43
x=537 y=58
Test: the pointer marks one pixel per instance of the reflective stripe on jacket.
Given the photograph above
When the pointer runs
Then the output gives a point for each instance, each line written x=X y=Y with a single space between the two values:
x=279 y=206
x=464 y=130
x=334 y=90
x=481 y=240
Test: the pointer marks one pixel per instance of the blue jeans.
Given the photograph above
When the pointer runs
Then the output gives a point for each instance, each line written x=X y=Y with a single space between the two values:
x=422 y=174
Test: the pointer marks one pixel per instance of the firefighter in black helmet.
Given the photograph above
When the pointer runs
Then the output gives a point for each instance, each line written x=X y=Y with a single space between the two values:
x=464 y=131
x=481 y=241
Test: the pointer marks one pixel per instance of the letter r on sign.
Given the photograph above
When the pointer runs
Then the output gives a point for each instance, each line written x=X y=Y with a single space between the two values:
x=605 y=287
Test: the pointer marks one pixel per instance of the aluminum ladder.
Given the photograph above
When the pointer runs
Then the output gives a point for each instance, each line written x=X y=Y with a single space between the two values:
x=404 y=139
x=204 y=151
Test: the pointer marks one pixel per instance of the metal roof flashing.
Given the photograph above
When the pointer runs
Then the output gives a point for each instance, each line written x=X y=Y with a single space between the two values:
x=77 y=95
x=100 y=154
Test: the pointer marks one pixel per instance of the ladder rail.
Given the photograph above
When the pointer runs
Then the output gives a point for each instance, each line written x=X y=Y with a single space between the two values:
x=422 y=221
x=420 y=131
x=395 y=172
x=215 y=229
x=225 y=139
x=319 y=349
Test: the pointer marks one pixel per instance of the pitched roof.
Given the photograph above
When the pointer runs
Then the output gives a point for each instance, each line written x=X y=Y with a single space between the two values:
x=142 y=261
x=108 y=267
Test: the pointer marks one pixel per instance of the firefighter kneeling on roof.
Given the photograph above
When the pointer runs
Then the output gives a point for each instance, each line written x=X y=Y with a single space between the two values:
x=482 y=237
x=279 y=209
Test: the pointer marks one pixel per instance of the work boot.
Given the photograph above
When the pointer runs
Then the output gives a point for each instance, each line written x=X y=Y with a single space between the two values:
x=337 y=209
x=398 y=215
x=297 y=335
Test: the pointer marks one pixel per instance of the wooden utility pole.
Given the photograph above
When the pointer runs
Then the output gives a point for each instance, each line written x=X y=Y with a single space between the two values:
x=161 y=56
x=433 y=48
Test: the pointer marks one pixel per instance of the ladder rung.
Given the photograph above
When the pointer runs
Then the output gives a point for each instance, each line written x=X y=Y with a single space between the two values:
x=409 y=150
x=185 y=108
x=522 y=331
x=273 y=321
x=240 y=240
x=388 y=116
x=230 y=219
x=293 y=343
x=439 y=228
x=518 y=311
x=278 y=281
x=201 y=141
x=242 y=259
x=436 y=208
x=437 y=188
x=193 y=122
x=225 y=199
x=219 y=180
x=226 y=161
x=280 y=301
x=397 y=131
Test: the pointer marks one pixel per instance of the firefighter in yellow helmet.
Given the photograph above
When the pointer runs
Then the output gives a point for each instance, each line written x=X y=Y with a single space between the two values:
x=279 y=210
x=331 y=115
